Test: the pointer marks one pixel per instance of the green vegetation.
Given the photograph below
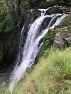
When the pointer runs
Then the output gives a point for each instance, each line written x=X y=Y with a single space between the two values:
x=64 y=2
x=12 y=17
x=49 y=37
x=47 y=41
x=51 y=75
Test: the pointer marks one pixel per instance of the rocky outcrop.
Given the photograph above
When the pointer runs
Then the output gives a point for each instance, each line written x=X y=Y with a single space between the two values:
x=54 y=9
x=68 y=39
x=62 y=39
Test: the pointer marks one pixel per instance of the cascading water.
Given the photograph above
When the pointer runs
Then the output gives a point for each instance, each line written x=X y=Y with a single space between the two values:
x=32 y=46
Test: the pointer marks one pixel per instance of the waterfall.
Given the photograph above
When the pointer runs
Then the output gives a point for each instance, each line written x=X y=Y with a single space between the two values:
x=32 y=46
x=19 y=55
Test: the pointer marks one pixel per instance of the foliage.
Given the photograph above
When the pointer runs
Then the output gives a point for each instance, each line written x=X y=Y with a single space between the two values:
x=47 y=41
x=64 y=2
x=49 y=37
x=65 y=22
x=51 y=75
x=54 y=71
x=55 y=10
x=5 y=20
x=50 y=0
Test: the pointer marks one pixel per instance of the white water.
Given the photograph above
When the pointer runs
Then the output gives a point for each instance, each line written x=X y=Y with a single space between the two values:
x=59 y=20
x=43 y=11
x=31 y=48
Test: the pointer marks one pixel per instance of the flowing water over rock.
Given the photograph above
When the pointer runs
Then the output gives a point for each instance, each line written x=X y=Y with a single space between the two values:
x=27 y=54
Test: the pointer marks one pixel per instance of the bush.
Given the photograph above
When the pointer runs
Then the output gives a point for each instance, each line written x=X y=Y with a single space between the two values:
x=47 y=41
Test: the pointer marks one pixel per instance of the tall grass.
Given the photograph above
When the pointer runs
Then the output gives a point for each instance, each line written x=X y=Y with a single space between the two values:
x=51 y=75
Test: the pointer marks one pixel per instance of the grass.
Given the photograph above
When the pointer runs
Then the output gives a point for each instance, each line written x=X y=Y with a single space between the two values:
x=51 y=75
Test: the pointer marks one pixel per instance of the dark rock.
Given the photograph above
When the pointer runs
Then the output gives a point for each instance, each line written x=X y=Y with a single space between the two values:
x=68 y=39
x=54 y=9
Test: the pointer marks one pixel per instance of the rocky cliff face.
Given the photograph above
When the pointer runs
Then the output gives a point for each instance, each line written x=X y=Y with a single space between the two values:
x=60 y=36
x=63 y=39
x=9 y=42
x=63 y=35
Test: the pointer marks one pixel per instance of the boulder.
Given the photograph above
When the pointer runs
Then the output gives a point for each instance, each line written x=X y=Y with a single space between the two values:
x=59 y=41
x=62 y=39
